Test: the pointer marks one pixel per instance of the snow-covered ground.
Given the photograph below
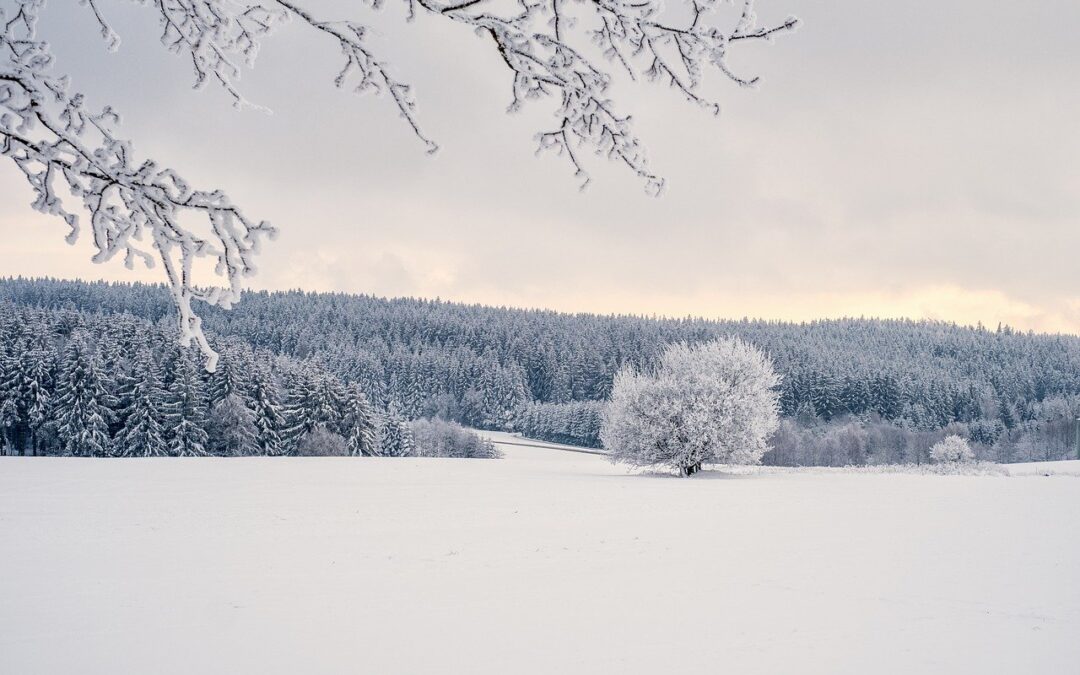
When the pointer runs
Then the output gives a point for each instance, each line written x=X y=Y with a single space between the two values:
x=544 y=562
x=1064 y=468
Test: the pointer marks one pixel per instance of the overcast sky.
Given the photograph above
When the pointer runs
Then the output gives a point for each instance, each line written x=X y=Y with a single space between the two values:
x=917 y=158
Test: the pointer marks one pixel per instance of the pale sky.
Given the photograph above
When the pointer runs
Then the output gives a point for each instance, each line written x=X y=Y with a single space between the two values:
x=916 y=158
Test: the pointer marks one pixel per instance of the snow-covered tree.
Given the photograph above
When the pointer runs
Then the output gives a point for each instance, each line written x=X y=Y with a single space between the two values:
x=439 y=438
x=360 y=427
x=315 y=398
x=396 y=438
x=232 y=428
x=140 y=209
x=952 y=449
x=232 y=374
x=9 y=417
x=321 y=442
x=36 y=391
x=186 y=410
x=266 y=406
x=82 y=411
x=712 y=402
x=142 y=396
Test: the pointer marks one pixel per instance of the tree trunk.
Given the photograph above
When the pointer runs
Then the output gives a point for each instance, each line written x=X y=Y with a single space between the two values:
x=687 y=471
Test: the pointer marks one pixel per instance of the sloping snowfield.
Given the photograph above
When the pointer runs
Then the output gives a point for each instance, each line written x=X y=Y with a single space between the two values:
x=545 y=562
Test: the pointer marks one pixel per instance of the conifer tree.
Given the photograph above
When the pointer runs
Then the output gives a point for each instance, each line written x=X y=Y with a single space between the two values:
x=298 y=410
x=9 y=417
x=185 y=409
x=360 y=429
x=231 y=375
x=395 y=438
x=267 y=409
x=82 y=412
x=141 y=434
x=36 y=391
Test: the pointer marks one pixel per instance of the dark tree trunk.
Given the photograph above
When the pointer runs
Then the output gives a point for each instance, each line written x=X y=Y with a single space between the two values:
x=688 y=471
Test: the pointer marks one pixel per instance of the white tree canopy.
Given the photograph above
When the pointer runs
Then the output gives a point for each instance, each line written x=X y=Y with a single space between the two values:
x=144 y=211
x=952 y=449
x=712 y=402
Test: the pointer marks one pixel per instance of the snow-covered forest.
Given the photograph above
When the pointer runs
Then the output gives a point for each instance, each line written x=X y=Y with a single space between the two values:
x=853 y=391
x=83 y=384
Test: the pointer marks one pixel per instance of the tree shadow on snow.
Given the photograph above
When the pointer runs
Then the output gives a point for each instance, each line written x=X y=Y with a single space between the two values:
x=704 y=474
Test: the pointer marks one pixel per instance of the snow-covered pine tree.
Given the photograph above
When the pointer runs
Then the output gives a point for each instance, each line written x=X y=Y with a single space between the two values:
x=360 y=428
x=315 y=397
x=329 y=402
x=267 y=409
x=825 y=395
x=185 y=409
x=395 y=438
x=9 y=417
x=82 y=411
x=230 y=376
x=141 y=434
x=36 y=392
x=298 y=410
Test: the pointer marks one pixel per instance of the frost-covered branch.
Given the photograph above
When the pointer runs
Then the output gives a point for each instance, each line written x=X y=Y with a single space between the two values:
x=143 y=210
x=136 y=209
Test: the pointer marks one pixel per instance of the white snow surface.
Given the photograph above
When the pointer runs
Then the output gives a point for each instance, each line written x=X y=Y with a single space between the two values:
x=543 y=562
x=1060 y=468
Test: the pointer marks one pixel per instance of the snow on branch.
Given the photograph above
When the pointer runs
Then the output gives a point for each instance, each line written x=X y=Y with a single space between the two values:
x=136 y=208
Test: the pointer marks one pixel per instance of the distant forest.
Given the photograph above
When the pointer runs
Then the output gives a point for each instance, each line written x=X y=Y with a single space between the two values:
x=853 y=391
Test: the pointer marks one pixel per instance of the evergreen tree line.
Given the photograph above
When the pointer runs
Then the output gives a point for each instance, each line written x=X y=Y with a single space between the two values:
x=574 y=423
x=486 y=367
x=73 y=383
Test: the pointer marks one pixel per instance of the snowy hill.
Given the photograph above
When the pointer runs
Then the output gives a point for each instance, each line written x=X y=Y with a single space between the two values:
x=544 y=562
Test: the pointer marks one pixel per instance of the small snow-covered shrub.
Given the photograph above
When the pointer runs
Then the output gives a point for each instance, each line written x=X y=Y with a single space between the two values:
x=439 y=438
x=321 y=442
x=231 y=428
x=712 y=402
x=952 y=449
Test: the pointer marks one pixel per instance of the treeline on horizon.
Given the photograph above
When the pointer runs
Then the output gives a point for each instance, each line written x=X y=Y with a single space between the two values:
x=847 y=383
x=100 y=385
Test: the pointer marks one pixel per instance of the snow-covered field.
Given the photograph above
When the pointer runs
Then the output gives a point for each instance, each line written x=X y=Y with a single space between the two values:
x=545 y=562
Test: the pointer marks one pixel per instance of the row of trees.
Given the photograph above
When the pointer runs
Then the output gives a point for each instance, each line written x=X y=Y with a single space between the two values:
x=573 y=423
x=1049 y=434
x=91 y=385
x=717 y=403
x=890 y=384
x=480 y=365
x=439 y=438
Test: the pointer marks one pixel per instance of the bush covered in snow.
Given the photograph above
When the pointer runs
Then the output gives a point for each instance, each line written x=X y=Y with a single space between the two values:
x=952 y=449
x=232 y=426
x=712 y=402
x=321 y=442
x=439 y=438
